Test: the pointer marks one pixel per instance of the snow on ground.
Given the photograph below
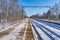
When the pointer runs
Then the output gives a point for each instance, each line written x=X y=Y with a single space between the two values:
x=34 y=33
x=6 y=25
x=50 y=28
x=13 y=34
x=44 y=36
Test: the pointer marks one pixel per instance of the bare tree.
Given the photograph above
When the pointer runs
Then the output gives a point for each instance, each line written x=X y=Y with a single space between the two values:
x=2 y=9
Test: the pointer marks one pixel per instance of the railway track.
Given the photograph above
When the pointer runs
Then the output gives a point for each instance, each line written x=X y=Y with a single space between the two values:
x=45 y=32
x=35 y=30
x=26 y=33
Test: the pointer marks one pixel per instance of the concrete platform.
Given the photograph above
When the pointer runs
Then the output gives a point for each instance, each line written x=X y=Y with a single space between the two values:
x=26 y=33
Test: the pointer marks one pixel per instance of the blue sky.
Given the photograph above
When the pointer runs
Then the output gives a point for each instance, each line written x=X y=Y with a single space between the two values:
x=32 y=11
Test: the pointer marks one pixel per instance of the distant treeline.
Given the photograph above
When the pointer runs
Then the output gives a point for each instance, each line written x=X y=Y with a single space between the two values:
x=52 y=14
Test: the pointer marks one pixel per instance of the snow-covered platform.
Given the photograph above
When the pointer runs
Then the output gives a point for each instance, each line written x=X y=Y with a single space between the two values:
x=21 y=31
x=12 y=34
